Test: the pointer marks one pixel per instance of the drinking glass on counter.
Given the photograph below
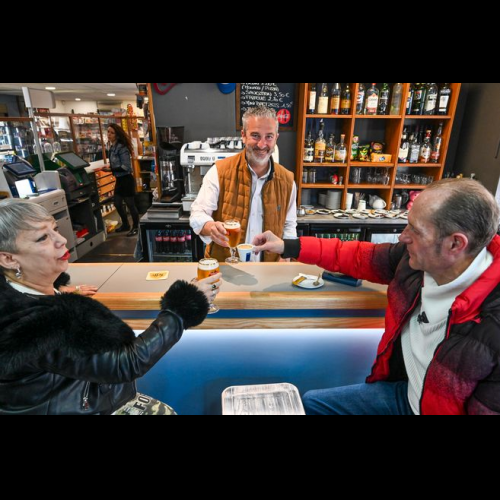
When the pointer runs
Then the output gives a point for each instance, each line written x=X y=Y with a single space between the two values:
x=233 y=228
x=207 y=268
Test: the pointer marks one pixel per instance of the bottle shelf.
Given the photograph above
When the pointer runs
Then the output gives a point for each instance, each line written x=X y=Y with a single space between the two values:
x=378 y=117
x=410 y=186
x=369 y=186
x=322 y=186
x=325 y=165
x=428 y=117
x=420 y=165
x=330 y=117
x=370 y=164
x=386 y=129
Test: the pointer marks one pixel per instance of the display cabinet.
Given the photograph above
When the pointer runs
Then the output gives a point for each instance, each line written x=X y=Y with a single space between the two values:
x=88 y=137
x=17 y=134
x=355 y=171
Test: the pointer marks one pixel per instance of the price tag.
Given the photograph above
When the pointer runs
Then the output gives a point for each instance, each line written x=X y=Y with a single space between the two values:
x=158 y=276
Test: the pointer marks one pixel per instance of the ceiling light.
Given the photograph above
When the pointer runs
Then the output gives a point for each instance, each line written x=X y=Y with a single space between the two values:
x=111 y=95
x=77 y=99
x=50 y=88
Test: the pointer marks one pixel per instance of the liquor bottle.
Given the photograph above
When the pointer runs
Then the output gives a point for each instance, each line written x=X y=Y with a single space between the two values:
x=323 y=100
x=426 y=149
x=313 y=95
x=414 y=147
x=372 y=97
x=436 y=145
x=309 y=148
x=330 y=149
x=335 y=99
x=383 y=103
x=397 y=97
x=444 y=99
x=341 y=151
x=360 y=99
x=320 y=144
x=404 y=149
x=346 y=101
x=419 y=99
x=431 y=99
x=411 y=96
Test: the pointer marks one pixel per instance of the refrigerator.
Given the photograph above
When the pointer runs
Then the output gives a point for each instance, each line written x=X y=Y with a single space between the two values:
x=170 y=242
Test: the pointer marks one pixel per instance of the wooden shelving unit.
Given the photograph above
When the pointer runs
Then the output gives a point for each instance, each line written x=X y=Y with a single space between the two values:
x=381 y=128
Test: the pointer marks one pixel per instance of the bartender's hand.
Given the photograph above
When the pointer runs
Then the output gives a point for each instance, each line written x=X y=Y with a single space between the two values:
x=107 y=169
x=268 y=242
x=216 y=231
x=84 y=290
x=209 y=286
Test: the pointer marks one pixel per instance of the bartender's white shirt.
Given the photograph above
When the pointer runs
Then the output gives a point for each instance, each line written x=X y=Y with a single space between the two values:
x=207 y=203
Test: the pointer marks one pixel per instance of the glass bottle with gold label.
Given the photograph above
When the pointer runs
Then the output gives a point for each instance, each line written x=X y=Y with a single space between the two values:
x=335 y=99
x=309 y=148
x=346 y=100
x=320 y=144
x=330 y=149
x=323 y=100
x=341 y=151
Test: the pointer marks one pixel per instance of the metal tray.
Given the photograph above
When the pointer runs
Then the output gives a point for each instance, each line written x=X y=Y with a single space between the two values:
x=276 y=399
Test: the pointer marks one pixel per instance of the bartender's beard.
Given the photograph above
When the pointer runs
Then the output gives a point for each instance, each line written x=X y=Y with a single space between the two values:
x=255 y=158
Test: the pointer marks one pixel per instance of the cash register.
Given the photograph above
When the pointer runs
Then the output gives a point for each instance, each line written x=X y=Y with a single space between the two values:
x=17 y=177
x=74 y=177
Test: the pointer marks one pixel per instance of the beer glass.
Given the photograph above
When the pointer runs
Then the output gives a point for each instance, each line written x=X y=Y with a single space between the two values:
x=207 y=268
x=233 y=228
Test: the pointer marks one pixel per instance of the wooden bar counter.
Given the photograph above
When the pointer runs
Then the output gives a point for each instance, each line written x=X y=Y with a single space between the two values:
x=254 y=296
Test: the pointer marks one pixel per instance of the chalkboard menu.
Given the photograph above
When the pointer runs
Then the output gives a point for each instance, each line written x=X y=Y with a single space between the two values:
x=280 y=96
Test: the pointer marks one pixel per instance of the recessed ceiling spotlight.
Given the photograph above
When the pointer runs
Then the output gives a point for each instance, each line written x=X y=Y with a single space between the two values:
x=50 y=88
x=77 y=99
x=111 y=95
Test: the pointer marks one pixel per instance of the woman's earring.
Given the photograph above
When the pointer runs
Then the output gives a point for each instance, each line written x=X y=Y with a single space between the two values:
x=19 y=274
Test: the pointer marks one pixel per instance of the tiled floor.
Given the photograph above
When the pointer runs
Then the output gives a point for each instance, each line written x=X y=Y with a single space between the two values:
x=117 y=248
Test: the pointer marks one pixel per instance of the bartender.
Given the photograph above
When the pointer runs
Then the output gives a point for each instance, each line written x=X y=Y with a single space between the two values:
x=249 y=187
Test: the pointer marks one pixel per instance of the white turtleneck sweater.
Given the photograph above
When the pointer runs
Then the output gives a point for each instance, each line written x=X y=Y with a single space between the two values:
x=420 y=341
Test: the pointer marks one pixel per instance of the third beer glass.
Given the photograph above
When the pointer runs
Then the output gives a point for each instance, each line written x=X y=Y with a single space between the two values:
x=233 y=228
x=207 y=268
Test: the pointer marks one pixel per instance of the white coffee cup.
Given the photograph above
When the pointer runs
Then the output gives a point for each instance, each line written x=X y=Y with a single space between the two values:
x=361 y=205
x=245 y=251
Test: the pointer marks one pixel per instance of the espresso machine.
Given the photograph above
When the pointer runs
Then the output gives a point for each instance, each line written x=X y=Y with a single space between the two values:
x=170 y=141
x=198 y=157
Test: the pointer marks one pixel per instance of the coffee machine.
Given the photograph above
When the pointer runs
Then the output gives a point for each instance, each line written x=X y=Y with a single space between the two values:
x=170 y=140
x=197 y=158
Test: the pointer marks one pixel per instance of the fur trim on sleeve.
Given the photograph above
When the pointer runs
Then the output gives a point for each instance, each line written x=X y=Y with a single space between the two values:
x=188 y=302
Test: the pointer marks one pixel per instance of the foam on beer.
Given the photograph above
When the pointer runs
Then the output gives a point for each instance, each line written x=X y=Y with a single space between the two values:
x=208 y=265
x=232 y=225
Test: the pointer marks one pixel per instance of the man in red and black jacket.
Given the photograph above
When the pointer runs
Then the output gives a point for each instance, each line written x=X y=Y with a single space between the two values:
x=440 y=354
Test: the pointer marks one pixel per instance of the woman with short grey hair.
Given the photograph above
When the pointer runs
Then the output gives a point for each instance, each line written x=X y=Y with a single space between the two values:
x=66 y=354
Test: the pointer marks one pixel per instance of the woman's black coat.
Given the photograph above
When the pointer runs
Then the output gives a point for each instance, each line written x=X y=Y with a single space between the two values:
x=69 y=355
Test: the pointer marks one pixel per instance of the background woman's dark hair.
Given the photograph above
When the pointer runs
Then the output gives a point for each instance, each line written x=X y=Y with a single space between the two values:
x=122 y=137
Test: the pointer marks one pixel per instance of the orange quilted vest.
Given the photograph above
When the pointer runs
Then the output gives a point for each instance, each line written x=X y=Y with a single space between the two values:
x=235 y=182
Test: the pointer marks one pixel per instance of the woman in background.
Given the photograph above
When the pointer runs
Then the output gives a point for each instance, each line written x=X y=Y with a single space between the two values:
x=120 y=159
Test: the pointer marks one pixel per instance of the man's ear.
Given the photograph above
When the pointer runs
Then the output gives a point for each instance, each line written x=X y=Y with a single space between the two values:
x=7 y=261
x=459 y=243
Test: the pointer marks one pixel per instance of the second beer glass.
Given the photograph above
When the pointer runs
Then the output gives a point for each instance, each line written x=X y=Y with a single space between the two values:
x=233 y=228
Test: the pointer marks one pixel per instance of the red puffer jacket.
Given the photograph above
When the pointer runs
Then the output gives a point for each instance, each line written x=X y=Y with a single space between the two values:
x=464 y=376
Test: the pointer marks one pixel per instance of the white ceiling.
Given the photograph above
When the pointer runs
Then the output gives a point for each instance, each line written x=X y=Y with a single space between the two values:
x=84 y=91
